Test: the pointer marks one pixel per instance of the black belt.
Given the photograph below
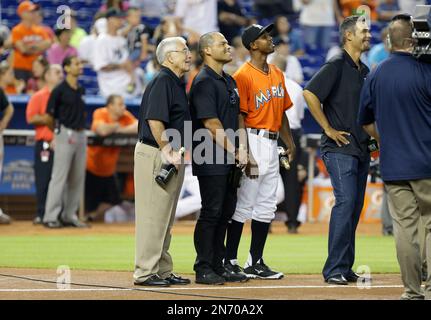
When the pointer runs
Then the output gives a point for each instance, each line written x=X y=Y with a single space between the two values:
x=267 y=134
x=149 y=142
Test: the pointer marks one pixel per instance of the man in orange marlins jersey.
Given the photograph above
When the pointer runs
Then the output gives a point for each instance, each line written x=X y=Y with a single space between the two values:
x=263 y=102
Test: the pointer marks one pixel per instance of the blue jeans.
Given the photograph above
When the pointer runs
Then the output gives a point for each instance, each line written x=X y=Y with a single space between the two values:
x=317 y=37
x=349 y=179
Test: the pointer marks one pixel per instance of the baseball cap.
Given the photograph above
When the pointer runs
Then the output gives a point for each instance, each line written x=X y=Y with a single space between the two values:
x=114 y=12
x=253 y=32
x=26 y=6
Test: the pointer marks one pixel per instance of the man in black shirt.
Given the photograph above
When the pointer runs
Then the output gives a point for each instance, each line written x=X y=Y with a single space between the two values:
x=163 y=110
x=7 y=109
x=215 y=108
x=67 y=109
x=344 y=144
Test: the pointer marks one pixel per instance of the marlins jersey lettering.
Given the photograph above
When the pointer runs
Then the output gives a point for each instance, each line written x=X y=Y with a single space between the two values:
x=263 y=96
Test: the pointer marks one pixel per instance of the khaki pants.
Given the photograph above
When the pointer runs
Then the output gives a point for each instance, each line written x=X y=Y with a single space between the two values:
x=409 y=202
x=155 y=214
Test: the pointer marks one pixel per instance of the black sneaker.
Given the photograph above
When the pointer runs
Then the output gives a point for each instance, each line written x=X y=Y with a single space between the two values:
x=209 y=278
x=233 y=273
x=261 y=271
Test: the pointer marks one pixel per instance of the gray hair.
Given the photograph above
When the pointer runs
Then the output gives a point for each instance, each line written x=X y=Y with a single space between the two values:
x=167 y=45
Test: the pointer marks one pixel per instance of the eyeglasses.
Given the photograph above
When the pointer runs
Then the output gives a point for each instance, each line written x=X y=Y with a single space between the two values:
x=185 y=51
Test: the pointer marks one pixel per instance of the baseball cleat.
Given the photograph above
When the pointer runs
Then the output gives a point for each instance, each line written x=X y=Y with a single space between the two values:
x=261 y=271
x=233 y=272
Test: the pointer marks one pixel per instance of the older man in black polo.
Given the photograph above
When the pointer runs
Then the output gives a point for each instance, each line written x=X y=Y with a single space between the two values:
x=164 y=106
x=215 y=108
x=337 y=86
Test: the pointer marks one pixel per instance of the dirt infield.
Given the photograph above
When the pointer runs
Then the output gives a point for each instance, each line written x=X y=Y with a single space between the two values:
x=119 y=285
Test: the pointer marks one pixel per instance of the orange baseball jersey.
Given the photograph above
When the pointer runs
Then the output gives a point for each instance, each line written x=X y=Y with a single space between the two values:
x=263 y=96
x=102 y=161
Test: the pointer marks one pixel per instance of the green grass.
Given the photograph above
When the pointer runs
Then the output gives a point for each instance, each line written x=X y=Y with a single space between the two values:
x=290 y=254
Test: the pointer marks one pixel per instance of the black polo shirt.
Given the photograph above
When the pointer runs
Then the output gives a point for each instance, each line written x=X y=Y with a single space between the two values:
x=165 y=100
x=338 y=86
x=213 y=96
x=67 y=106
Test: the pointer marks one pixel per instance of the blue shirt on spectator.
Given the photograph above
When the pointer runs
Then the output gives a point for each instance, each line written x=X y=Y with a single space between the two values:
x=397 y=96
x=377 y=54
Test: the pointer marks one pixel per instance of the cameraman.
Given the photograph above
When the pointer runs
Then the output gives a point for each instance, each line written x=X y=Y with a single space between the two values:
x=395 y=108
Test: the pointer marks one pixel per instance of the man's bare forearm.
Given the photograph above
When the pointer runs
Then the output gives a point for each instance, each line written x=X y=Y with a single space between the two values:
x=158 y=131
x=371 y=129
x=286 y=133
x=40 y=120
x=216 y=129
x=130 y=129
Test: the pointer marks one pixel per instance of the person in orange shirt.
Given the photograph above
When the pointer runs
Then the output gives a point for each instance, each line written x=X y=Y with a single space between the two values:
x=43 y=150
x=263 y=102
x=346 y=8
x=101 y=190
x=28 y=39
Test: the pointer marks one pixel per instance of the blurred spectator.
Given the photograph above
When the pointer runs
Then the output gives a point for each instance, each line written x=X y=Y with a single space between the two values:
x=86 y=47
x=199 y=16
x=230 y=18
x=151 y=69
x=284 y=31
x=36 y=82
x=239 y=56
x=408 y=6
x=62 y=48
x=171 y=26
x=293 y=69
x=387 y=9
x=116 y=4
x=294 y=178
x=271 y=8
x=4 y=36
x=43 y=150
x=101 y=188
x=138 y=36
x=317 y=20
x=345 y=8
x=38 y=15
x=115 y=72
x=29 y=41
x=379 y=52
x=196 y=65
x=78 y=34
x=151 y=8
x=8 y=82
x=6 y=109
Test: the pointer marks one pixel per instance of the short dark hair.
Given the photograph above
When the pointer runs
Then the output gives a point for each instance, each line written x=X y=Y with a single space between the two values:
x=112 y=98
x=205 y=41
x=400 y=30
x=349 y=24
x=68 y=61
x=46 y=70
x=59 y=31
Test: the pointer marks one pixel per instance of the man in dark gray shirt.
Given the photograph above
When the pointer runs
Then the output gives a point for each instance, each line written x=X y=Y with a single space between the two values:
x=337 y=86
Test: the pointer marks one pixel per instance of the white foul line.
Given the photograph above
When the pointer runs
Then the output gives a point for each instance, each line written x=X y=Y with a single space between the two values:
x=199 y=288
